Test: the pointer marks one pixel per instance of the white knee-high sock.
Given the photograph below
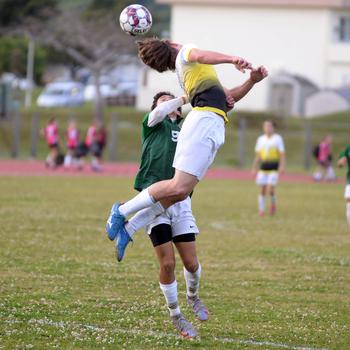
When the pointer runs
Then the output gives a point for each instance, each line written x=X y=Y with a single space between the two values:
x=261 y=202
x=143 y=218
x=170 y=294
x=348 y=212
x=140 y=201
x=192 y=281
x=273 y=199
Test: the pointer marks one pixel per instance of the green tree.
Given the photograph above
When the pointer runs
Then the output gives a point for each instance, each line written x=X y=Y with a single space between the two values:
x=15 y=12
x=13 y=53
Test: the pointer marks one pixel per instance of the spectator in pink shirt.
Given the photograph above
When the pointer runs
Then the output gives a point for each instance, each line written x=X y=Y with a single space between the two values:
x=323 y=155
x=72 y=143
x=50 y=133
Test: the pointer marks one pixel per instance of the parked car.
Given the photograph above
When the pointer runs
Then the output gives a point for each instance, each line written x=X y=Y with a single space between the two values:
x=106 y=90
x=62 y=94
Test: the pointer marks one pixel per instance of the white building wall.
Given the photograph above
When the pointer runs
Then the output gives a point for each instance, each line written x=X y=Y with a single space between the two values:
x=297 y=40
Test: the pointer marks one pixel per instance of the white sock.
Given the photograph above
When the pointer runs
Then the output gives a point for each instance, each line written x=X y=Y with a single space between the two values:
x=141 y=201
x=273 y=199
x=170 y=294
x=68 y=160
x=317 y=176
x=192 y=281
x=261 y=203
x=330 y=173
x=143 y=218
x=348 y=212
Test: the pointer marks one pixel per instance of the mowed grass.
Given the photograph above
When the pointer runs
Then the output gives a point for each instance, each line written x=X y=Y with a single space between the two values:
x=283 y=280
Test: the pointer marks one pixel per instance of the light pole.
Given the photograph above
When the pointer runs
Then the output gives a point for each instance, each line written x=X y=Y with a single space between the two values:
x=30 y=72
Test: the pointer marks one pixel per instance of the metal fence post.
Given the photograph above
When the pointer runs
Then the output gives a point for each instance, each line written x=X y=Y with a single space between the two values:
x=242 y=130
x=307 y=144
x=16 y=132
x=34 y=135
x=113 y=137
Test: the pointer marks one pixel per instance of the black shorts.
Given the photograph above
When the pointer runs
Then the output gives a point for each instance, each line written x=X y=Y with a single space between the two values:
x=162 y=233
x=53 y=145
x=96 y=149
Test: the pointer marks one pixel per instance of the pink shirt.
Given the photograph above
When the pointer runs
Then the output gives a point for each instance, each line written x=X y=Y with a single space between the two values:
x=51 y=134
x=72 y=137
x=90 y=135
x=324 y=152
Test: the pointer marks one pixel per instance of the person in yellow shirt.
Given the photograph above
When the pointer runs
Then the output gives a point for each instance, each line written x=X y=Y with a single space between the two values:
x=269 y=162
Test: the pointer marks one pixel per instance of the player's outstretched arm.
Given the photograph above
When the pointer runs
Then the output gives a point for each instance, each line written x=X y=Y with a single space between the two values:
x=161 y=111
x=212 y=57
x=256 y=75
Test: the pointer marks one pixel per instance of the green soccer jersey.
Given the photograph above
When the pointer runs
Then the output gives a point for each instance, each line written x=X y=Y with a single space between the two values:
x=346 y=154
x=158 y=150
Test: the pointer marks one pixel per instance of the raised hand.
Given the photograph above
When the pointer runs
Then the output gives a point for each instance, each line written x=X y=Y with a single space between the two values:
x=258 y=74
x=241 y=64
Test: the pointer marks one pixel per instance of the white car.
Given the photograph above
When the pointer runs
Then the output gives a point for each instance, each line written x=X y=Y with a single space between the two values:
x=62 y=94
x=106 y=90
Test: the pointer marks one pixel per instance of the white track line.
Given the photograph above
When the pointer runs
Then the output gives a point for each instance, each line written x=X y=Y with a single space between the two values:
x=62 y=324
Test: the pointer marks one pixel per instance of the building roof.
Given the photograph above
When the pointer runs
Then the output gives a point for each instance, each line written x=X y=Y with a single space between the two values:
x=284 y=3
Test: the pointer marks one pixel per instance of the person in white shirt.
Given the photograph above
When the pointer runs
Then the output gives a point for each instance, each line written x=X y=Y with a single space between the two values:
x=269 y=162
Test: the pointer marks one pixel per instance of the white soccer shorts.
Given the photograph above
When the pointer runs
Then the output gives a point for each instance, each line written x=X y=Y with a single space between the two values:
x=179 y=216
x=267 y=178
x=201 y=135
x=347 y=192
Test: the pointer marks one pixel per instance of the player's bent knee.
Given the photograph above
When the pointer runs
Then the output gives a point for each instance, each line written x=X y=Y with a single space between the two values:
x=191 y=266
x=168 y=266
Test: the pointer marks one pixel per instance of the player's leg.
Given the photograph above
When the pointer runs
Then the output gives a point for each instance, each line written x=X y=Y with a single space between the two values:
x=192 y=274
x=347 y=199
x=272 y=193
x=184 y=229
x=271 y=189
x=161 y=236
x=330 y=174
x=116 y=226
x=261 y=181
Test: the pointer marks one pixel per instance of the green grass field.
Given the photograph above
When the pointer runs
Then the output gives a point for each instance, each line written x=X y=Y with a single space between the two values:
x=281 y=281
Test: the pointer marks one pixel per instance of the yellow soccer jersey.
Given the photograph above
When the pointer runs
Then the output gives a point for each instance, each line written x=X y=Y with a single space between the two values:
x=201 y=84
x=269 y=150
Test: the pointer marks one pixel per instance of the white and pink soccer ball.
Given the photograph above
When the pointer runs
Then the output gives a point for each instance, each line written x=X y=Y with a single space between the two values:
x=135 y=20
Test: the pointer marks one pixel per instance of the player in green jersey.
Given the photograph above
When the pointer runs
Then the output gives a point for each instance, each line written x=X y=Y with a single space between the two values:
x=344 y=159
x=176 y=226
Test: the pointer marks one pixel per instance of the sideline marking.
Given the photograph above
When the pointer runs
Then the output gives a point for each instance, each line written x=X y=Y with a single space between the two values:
x=62 y=324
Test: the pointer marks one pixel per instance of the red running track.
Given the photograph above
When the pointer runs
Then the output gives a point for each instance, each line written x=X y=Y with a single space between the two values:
x=37 y=168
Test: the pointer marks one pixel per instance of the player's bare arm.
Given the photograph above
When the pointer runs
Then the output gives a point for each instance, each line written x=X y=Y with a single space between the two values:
x=212 y=57
x=342 y=162
x=256 y=75
x=282 y=163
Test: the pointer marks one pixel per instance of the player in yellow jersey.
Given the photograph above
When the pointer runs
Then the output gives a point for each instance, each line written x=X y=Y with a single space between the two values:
x=270 y=160
x=202 y=133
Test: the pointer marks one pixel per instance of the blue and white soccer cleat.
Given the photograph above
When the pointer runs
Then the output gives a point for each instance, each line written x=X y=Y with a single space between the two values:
x=198 y=308
x=115 y=222
x=185 y=327
x=123 y=239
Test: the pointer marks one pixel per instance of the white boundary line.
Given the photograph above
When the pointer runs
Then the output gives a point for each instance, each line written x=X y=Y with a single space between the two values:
x=62 y=324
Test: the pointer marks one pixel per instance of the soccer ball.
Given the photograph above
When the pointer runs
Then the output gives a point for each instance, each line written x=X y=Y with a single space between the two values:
x=135 y=20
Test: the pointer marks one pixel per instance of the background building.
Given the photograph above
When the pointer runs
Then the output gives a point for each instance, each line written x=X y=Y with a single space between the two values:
x=308 y=39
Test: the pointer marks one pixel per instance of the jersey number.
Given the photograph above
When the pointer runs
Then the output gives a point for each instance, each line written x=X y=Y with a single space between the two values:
x=174 y=135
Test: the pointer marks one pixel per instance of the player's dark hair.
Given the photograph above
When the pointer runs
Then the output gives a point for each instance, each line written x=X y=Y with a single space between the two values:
x=157 y=54
x=158 y=96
